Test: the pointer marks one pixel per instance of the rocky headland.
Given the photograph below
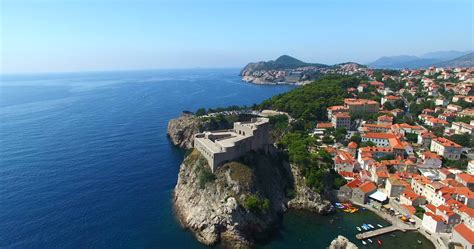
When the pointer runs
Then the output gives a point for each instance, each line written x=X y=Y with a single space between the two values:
x=288 y=70
x=243 y=201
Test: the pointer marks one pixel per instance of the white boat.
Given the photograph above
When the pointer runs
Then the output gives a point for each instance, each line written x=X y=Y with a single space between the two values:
x=358 y=228
x=379 y=225
x=365 y=228
x=369 y=240
x=364 y=243
x=370 y=225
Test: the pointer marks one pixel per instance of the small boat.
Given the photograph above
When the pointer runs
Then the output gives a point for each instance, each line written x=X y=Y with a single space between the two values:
x=358 y=228
x=370 y=240
x=379 y=225
x=379 y=241
x=370 y=225
x=364 y=227
x=364 y=243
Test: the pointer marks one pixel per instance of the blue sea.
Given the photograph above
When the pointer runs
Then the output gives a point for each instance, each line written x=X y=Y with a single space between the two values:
x=84 y=157
x=85 y=161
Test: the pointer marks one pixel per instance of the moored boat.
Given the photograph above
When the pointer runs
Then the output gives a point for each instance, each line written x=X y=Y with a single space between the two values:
x=379 y=225
x=364 y=243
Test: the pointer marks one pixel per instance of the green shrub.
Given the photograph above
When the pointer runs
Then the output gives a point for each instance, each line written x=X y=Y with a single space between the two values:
x=205 y=176
x=255 y=204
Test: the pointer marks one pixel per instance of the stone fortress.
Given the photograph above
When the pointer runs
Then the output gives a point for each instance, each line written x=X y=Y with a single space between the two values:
x=225 y=145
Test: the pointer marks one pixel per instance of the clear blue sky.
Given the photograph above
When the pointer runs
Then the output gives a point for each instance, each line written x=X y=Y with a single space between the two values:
x=86 y=35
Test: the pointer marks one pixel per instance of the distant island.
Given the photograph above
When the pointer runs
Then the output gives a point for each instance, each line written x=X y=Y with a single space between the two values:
x=289 y=70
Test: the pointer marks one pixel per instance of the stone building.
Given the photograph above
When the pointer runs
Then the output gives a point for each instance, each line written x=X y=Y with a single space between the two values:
x=225 y=145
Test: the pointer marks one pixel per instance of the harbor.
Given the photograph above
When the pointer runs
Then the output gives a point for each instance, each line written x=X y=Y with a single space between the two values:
x=315 y=231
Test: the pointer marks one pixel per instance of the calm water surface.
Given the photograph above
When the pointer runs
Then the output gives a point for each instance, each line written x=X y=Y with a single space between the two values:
x=85 y=161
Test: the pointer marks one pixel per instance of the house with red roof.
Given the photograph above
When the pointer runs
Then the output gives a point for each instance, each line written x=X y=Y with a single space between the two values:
x=361 y=105
x=450 y=217
x=446 y=148
x=463 y=235
x=336 y=109
x=424 y=139
x=344 y=161
x=430 y=160
x=466 y=180
x=324 y=125
x=361 y=193
x=385 y=120
x=408 y=197
x=395 y=186
x=433 y=223
x=346 y=190
x=352 y=148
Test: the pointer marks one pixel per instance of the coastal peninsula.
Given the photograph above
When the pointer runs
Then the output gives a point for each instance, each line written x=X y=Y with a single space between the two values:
x=237 y=203
x=288 y=70
x=361 y=141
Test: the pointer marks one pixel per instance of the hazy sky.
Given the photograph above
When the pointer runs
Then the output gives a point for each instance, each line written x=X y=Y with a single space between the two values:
x=86 y=35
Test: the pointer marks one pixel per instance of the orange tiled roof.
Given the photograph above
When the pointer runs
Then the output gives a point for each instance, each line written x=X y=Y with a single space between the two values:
x=377 y=135
x=435 y=217
x=466 y=177
x=409 y=194
x=465 y=232
x=351 y=101
x=354 y=183
x=324 y=125
x=352 y=145
x=337 y=107
x=410 y=209
x=446 y=142
x=367 y=187
x=342 y=115
x=446 y=210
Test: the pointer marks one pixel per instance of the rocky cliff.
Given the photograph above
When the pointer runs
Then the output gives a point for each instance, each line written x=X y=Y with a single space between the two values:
x=181 y=130
x=242 y=202
x=342 y=242
x=236 y=205
x=305 y=198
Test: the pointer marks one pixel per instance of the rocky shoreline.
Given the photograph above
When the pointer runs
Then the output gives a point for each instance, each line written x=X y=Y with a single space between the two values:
x=216 y=207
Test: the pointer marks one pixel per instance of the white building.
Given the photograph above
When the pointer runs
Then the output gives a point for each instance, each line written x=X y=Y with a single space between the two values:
x=433 y=223
x=446 y=148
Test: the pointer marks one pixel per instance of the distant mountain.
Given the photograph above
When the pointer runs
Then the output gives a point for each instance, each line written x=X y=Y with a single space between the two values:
x=401 y=61
x=462 y=61
x=283 y=62
x=411 y=61
x=445 y=55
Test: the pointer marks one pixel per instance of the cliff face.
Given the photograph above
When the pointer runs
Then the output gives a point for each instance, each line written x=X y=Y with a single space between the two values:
x=238 y=204
x=182 y=130
x=307 y=199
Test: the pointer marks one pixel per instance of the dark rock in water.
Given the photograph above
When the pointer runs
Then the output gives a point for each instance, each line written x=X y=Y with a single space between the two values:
x=342 y=242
